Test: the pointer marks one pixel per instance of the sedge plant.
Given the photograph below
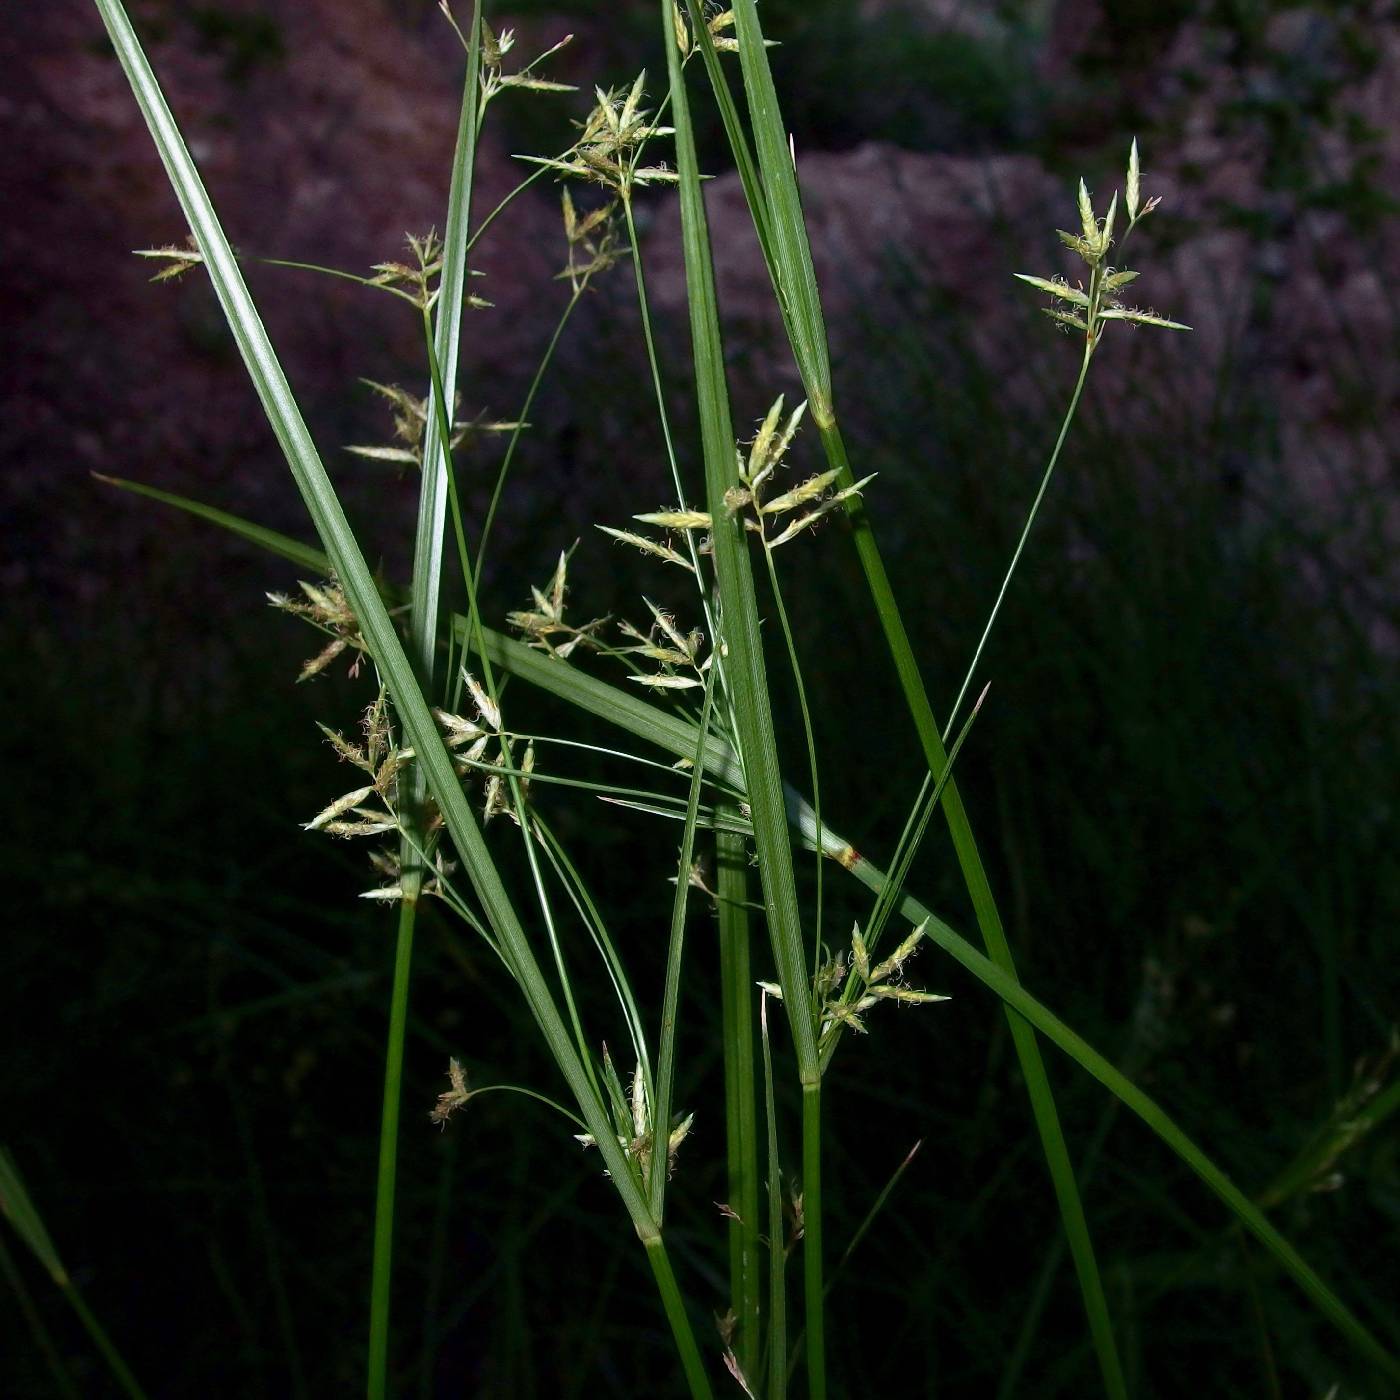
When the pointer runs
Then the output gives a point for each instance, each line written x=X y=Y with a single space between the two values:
x=463 y=796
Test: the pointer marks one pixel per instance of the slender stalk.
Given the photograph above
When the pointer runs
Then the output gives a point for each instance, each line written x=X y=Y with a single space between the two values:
x=887 y=897
x=812 y=1276
x=592 y=919
x=674 y=1304
x=1047 y=1119
x=1025 y=535
x=1009 y=1384
x=670 y=1000
x=654 y=365
x=382 y=1271
x=18 y=1208
x=777 y=1252
x=469 y=578
x=808 y=734
x=876 y=1207
x=740 y=1108
x=509 y=458
x=443 y=342
x=505 y=200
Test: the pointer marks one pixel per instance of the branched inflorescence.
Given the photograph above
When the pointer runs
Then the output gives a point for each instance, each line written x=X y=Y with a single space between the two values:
x=1088 y=309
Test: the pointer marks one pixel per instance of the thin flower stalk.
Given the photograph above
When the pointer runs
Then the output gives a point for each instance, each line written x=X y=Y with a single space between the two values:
x=423 y=631
x=1088 y=310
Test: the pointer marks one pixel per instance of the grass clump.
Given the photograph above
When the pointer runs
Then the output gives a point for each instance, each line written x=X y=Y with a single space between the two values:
x=461 y=792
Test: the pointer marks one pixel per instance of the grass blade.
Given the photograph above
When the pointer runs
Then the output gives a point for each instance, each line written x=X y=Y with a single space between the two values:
x=782 y=222
x=741 y=1117
x=785 y=226
x=447 y=338
x=734 y=131
x=745 y=671
x=304 y=556
x=777 y=1252
x=342 y=549
x=666 y=1056
x=411 y=705
x=746 y=677
x=422 y=645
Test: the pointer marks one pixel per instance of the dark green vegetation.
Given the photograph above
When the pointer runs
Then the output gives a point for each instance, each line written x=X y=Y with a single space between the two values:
x=1182 y=786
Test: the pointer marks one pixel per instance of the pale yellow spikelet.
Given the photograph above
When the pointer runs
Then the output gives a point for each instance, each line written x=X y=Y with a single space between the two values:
x=759 y=452
x=485 y=705
x=808 y=490
x=648 y=546
x=337 y=808
x=668 y=682
x=677 y=519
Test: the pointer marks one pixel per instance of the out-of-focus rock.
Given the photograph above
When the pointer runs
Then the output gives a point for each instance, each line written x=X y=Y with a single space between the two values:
x=324 y=133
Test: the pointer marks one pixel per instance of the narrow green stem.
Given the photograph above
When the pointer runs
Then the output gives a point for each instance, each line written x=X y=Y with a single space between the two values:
x=1025 y=535
x=670 y=1001
x=381 y=1275
x=812 y=1273
x=1041 y=1293
x=676 y=1314
x=740 y=1107
x=807 y=734
x=469 y=577
x=654 y=365
x=888 y=895
x=354 y=277
x=121 y=1372
x=443 y=342
x=509 y=458
x=574 y=1119
x=588 y=912
x=777 y=1253
x=500 y=208
x=988 y=922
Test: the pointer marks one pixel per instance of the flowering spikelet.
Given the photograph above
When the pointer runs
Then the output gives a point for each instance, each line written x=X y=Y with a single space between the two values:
x=1087 y=309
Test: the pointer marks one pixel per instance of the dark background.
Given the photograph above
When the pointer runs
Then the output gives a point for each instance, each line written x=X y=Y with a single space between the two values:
x=1183 y=780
